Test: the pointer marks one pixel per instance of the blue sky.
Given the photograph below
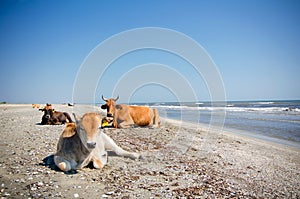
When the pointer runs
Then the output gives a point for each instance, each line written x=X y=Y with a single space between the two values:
x=254 y=44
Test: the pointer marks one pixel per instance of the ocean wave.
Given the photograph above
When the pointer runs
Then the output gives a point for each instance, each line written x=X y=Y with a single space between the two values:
x=230 y=105
x=262 y=109
x=231 y=109
x=264 y=103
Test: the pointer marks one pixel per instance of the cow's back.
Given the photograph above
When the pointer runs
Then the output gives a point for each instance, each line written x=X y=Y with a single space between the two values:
x=141 y=115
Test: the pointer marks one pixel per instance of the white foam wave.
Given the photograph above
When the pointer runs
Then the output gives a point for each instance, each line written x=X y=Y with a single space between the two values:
x=264 y=103
x=232 y=109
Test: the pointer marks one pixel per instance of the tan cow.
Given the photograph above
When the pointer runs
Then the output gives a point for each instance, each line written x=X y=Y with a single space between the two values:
x=126 y=116
x=83 y=142
x=47 y=107
x=35 y=106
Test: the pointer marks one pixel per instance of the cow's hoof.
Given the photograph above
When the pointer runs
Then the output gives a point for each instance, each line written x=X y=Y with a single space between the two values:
x=62 y=166
x=70 y=172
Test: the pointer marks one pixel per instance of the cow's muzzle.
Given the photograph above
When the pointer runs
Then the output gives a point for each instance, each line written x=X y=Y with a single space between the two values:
x=91 y=145
x=109 y=115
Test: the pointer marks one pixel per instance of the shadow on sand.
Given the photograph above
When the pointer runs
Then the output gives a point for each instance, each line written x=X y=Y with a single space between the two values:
x=49 y=162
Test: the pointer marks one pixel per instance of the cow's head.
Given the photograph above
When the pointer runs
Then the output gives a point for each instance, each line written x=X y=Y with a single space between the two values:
x=47 y=107
x=48 y=113
x=87 y=129
x=110 y=106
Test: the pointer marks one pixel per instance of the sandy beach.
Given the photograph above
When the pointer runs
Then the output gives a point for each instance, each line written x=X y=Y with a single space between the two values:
x=180 y=161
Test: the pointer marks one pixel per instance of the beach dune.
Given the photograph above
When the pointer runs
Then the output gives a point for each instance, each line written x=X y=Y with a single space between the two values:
x=180 y=160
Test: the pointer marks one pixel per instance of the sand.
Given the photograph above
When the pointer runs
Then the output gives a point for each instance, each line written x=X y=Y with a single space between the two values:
x=180 y=161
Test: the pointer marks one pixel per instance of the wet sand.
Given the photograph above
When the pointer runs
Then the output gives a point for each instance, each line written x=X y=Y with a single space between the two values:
x=181 y=160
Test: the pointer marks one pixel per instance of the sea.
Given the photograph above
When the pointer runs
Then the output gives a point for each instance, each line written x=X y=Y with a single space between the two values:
x=275 y=121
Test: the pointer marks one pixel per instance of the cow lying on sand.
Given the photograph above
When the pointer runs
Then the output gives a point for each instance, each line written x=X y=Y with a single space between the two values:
x=126 y=116
x=83 y=142
x=52 y=117
x=35 y=106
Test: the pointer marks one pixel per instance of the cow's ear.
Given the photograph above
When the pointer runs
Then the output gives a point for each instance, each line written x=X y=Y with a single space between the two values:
x=104 y=106
x=76 y=118
x=69 y=131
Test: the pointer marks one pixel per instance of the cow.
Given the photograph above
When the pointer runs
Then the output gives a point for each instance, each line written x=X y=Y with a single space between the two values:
x=52 y=117
x=48 y=106
x=125 y=116
x=35 y=106
x=83 y=142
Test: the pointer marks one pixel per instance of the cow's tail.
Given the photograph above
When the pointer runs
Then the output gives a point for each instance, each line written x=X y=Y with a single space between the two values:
x=68 y=117
x=156 y=119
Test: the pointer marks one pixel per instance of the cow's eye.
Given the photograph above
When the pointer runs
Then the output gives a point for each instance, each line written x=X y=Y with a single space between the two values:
x=80 y=129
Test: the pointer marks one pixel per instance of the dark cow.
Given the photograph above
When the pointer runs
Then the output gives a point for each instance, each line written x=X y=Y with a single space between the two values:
x=125 y=116
x=52 y=117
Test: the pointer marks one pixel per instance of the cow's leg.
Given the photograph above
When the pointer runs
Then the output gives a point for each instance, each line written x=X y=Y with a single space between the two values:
x=115 y=123
x=125 y=125
x=68 y=117
x=55 y=121
x=122 y=122
x=99 y=162
x=156 y=119
x=62 y=163
x=112 y=146
x=99 y=154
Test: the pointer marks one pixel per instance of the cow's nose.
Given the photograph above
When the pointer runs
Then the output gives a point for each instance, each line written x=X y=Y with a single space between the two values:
x=91 y=145
x=48 y=116
x=109 y=115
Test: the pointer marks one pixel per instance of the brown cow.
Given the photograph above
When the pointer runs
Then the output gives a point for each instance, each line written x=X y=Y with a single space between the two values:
x=83 y=142
x=126 y=116
x=52 y=117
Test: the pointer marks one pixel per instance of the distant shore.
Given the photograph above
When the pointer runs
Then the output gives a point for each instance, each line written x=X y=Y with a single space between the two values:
x=181 y=160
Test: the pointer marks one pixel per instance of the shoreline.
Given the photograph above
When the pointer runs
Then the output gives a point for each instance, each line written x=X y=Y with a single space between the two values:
x=180 y=160
x=203 y=126
x=235 y=132
x=187 y=124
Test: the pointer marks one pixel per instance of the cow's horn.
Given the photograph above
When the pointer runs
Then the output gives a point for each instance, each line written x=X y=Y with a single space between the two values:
x=104 y=99
x=117 y=98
